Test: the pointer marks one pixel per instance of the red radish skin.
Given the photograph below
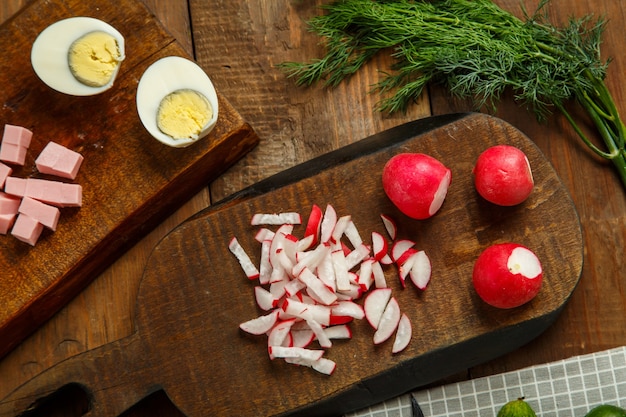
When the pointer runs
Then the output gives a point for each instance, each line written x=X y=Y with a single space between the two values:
x=416 y=184
x=502 y=175
x=507 y=275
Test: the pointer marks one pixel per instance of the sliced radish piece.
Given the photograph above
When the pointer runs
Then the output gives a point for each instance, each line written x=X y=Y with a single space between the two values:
x=264 y=298
x=313 y=283
x=314 y=223
x=366 y=277
x=242 y=256
x=279 y=334
x=353 y=235
x=375 y=304
x=379 y=275
x=264 y=234
x=340 y=267
x=335 y=320
x=322 y=365
x=338 y=332
x=311 y=259
x=403 y=334
x=388 y=321
x=319 y=313
x=293 y=287
x=302 y=337
x=399 y=249
x=357 y=255
x=379 y=246
x=265 y=266
x=405 y=265
x=340 y=227
x=275 y=218
x=390 y=226
x=320 y=335
x=347 y=308
x=260 y=325
x=328 y=223
x=295 y=352
x=421 y=270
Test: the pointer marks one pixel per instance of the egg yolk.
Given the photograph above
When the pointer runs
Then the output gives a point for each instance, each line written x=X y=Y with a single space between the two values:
x=183 y=114
x=94 y=58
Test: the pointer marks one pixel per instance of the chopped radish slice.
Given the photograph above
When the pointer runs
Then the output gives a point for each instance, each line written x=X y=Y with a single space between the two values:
x=278 y=334
x=338 y=332
x=379 y=275
x=322 y=365
x=340 y=227
x=353 y=235
x=317 y=312
x=347 y=308
x=248 y=267
x=388 y=322
x=275 y=218
x=313 y=224
x=399 y=249
x=340 y=266
x=366 y=276
x=379 y=246
x=390 y=226
x=375 y=304
x=420 y=270
x=261 y=324
x=357 y=255
x=295 y=352
x=302 y=337
x=325 y=294
x=320 y=335
x=403 y=334
x=328 y=223
x=265 y=299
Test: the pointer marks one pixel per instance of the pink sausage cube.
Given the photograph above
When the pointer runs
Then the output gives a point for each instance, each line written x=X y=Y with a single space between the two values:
x=27 y=229
x=44 y=213
x=6 y=222
x=17 y=135
x=15 y=186
x=5 y=171
x=9 y=204
x=56 y=193
x=13 y=154
x=58 y=160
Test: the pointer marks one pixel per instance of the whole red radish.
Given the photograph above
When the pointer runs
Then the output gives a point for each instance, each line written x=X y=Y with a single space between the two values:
x=502 y=175
x=416 y=183
x=507 y=275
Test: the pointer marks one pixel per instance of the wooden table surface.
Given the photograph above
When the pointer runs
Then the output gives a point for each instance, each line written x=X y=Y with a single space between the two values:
x=239 y=43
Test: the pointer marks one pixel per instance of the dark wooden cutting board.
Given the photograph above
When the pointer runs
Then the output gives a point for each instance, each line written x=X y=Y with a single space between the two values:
x=193 y=294
x=130 y=181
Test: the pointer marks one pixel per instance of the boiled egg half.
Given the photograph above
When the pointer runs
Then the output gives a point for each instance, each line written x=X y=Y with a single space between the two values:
x=176 y=101
x=79 y=56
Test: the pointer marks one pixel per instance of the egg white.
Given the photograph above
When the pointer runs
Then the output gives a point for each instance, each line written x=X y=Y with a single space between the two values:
x=163 y=77
x=49 y=54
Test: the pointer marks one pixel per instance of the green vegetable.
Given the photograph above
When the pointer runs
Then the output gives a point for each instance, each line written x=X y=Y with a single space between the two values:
x=516 y=408
x=477 y=50
x=606 y=410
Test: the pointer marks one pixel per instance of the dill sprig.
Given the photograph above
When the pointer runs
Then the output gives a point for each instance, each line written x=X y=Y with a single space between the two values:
x=477 y=51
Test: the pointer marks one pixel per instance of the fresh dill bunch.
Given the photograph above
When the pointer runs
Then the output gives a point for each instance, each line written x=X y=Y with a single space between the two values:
x=476 y=50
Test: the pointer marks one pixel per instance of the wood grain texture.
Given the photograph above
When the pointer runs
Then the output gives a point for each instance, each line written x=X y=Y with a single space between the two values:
x=193 y=294
x=297 y=124
x=130 y=181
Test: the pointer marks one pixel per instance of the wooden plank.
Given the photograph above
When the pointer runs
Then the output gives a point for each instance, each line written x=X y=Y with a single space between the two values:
x=130 y=181
x=194 y=294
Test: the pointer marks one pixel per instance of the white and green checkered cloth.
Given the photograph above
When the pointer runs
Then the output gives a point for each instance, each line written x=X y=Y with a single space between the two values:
x=566 y=388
